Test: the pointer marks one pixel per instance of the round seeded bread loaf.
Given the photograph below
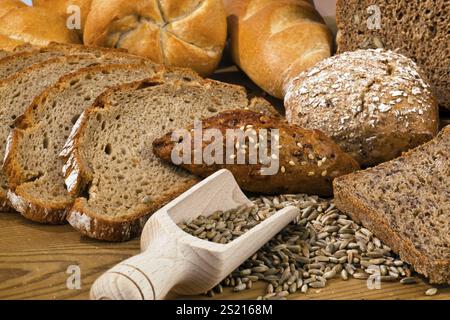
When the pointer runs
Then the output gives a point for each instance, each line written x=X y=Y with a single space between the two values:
x=373 y=103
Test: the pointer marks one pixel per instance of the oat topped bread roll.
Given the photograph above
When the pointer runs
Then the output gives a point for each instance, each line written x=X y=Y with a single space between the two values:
x=182 y=33
x=274 y=40
x=62 y=8
x=373 y=103
x=37 y=26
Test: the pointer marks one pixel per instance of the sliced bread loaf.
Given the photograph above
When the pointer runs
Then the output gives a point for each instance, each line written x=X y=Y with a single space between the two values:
x=416 y=28
x=109 y=159
x=32 y=165
x=26 y=56
x=406 y=203
x=18 y=91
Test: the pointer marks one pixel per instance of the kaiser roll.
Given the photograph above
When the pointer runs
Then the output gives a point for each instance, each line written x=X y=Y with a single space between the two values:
x=182 y=33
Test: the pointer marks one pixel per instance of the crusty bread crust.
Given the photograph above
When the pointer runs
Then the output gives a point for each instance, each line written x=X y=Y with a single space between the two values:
x=346 y=200
x=37 y=26
x=102 y=227
x=78 y=175
x=177 y=33
x=372 y=103
x=297 y=173
x=273 y=41
x=417 y=29
x=36 y=210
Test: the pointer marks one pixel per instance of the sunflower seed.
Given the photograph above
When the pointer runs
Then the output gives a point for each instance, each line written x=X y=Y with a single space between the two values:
x=431 y=292
x=360 y=275
x=408 y=280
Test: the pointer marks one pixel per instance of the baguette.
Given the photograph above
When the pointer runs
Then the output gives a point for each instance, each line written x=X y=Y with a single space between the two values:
x=36 y=26
x=61 y=8
x=274 y=40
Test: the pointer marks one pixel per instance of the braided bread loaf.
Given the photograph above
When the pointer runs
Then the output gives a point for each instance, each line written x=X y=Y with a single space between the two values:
x=274 y=40
x=182 y=33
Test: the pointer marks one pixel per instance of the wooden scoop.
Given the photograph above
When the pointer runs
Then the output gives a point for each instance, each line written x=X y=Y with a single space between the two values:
x=173 y=260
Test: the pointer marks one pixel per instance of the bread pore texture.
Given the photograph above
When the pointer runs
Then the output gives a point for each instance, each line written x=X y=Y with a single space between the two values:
x=405 y=203
x=32 y=164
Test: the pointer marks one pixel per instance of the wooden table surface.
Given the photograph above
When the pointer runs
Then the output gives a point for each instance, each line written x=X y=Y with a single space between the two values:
x=34 y=260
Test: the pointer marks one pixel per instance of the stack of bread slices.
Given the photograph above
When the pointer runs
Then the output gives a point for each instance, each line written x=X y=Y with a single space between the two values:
x=46 y=91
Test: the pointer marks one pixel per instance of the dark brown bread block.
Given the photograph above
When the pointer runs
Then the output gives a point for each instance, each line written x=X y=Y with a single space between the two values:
x=417 y=28
x=406 y=204
x=308 y=159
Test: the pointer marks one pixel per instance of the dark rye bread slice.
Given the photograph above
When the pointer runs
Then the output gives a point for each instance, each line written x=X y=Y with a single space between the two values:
x=18 y=91
x=26 y=56
x=109 y=159
x=417 y=28
x=406 y=203
x=32 y=165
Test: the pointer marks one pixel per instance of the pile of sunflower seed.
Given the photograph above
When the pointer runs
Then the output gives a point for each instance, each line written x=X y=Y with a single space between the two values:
x=225 y=226
x=321 y=244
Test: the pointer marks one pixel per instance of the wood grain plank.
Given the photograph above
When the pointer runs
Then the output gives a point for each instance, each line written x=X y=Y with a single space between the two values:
x=34 y=259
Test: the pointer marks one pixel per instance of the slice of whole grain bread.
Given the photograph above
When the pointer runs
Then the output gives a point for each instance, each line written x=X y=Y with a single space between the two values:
x=406 y=204
x=26 y=56
x=19 y=61
x=18 y=91
x=110 y=166
x=416 y=28
x=32 y=165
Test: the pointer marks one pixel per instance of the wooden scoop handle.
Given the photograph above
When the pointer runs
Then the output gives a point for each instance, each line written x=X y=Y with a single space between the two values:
x=147 y=276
